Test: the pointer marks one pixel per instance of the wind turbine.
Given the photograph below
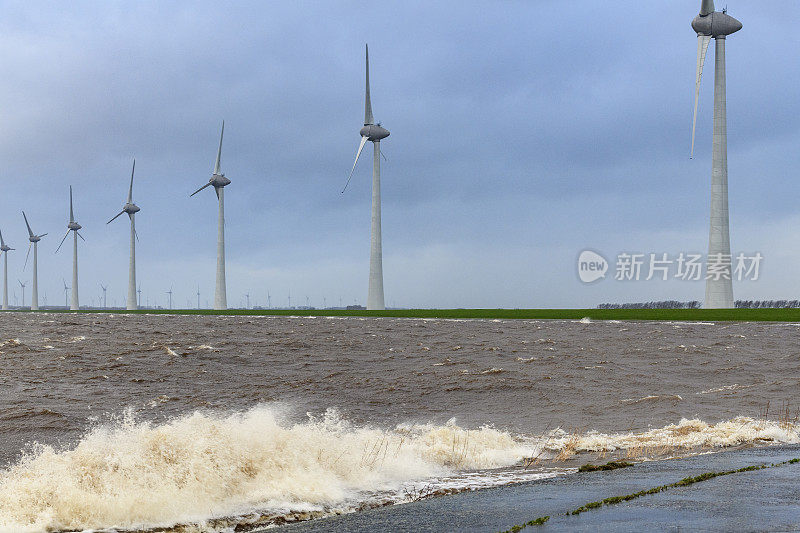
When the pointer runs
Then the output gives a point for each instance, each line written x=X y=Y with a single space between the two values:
x=140 y=294
x=73 y=226
x=373 y=132
x=219 y=181
x=248 y=300
x=104 y=294
x=4 y=249
x=66 y=292
x=131 y=209
x=23 y=291
x=269 y=300
x=717 y=25
x=198 y=296
x=170 y=297
x=34 y=239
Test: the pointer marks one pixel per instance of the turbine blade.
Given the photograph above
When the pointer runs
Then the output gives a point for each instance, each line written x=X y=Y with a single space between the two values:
x=706 y=7
x=219 y=152
x=42 y=235
x=702 y=48
x=136 y=234
x=115 y=216
x=2 y=242
x=71 y=214
x=81 y=236
x=26 y=257
x=216 y=190
x=30 y=231
x=62 y=240
x=358 y=154
x=200 y=189
x=130 y=190
x=368 y=118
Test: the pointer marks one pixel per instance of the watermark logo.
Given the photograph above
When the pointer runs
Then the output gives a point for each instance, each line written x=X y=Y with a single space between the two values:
x=591 y=266
x=631 y=266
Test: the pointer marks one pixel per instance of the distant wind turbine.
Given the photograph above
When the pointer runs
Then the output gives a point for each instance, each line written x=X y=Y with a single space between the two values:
x=34 y=241
x=104 y=294
x=219 y=181
x=170 y=297
x=4 y=249
x=198 y=296
x=717 y=25
x=374 y=133
x=66 y=293
x=23 y=291
x=131 y=209
x=73 y=226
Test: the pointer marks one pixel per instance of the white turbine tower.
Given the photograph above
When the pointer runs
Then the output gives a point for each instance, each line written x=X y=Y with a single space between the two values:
x=717 y=25
x=373 y=132
x=4 y=249
x=219 y=181
x=73 y=226
x=131 y=209
x=34 y=239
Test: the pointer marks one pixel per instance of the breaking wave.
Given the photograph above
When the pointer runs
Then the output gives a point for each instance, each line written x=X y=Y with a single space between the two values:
x=139 y=475
x=208 y=469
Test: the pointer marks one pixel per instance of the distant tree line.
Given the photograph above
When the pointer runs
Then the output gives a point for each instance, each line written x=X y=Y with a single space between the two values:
x=666 y=304
x=674 y=304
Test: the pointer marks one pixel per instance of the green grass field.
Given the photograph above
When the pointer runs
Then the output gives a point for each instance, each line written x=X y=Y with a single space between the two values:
x=710 y=315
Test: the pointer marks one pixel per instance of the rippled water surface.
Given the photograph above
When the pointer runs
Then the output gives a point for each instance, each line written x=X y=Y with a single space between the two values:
x=64 y=374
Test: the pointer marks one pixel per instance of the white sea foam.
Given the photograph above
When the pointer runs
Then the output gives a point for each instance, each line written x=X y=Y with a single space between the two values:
x=204 y=467
x=686 y=434
x=136 y=474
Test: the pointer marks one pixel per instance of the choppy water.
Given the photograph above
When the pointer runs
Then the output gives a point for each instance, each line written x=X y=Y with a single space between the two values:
x=154 y=420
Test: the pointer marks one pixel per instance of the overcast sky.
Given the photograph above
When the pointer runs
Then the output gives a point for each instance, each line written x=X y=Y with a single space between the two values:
x=521 y=134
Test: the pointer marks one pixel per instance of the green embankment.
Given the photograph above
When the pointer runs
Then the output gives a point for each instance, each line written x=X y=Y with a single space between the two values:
x=700 y=315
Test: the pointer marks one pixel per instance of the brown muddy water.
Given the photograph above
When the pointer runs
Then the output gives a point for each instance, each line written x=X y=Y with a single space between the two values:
x=142 y=421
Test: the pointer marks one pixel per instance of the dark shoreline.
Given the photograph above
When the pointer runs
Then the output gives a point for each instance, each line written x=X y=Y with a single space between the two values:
x=763 y=500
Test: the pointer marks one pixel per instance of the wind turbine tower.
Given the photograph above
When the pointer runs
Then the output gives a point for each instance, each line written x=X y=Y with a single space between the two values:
x=219 y=181
x=198 y=296
x=131 y=209
x=104 y=295
x=4 y=249
x=170 y=297
x=74 y=227
x=373 y=132
x=717 y=25
x=34 y=241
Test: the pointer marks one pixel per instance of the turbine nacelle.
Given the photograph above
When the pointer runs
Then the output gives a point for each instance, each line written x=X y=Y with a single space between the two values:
x=130 y=208
x=716 y=24
x=35 y=238
x=219 y=180
x=374 y=132
x=74 y=226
